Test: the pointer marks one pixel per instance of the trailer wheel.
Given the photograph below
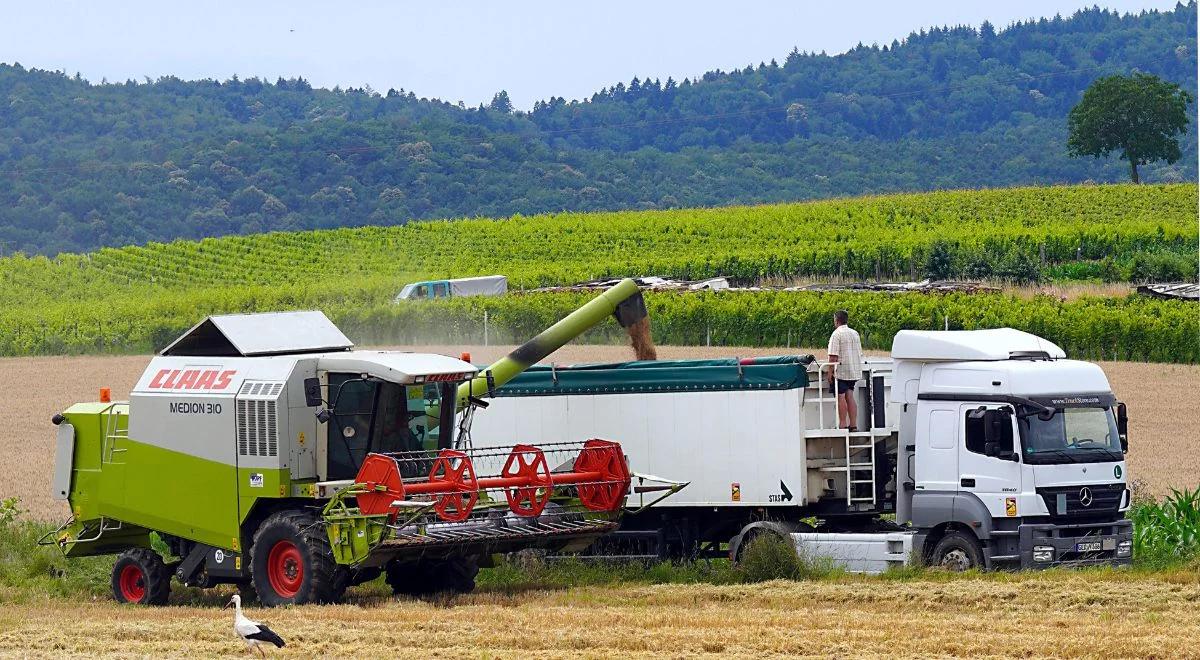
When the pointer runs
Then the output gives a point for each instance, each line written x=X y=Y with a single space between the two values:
x=291 y=561
x=958 y=552
x=140 y=576
x=424 y=578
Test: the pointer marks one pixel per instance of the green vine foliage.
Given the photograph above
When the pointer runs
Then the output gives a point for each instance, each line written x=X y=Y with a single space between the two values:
x=139 y=298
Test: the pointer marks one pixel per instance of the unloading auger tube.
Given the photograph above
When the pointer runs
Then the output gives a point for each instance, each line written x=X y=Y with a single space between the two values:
x=623 y=300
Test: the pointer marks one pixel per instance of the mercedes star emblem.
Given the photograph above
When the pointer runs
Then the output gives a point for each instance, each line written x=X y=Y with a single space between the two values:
x=1085 y=496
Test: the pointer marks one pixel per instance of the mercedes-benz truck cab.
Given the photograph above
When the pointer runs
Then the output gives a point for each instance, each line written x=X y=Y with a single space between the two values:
x=1009 y=454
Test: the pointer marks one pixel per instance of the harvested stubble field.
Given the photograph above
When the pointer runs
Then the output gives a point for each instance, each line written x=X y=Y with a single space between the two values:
x=1091 y=614
x=1164 y=418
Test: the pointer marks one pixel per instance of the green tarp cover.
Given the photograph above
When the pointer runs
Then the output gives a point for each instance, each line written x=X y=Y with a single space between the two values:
x=762 y=373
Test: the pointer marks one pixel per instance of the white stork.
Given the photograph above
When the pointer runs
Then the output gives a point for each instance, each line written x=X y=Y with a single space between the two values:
x=256 y=635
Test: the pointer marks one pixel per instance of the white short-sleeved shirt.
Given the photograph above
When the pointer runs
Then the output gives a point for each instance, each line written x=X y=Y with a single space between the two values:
x=845 y=344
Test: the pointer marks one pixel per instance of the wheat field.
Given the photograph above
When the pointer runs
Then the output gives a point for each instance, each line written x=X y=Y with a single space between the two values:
x=1164 y=417
x=1091 y=614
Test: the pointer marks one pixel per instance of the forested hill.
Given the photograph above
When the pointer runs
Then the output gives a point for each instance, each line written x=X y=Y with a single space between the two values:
x=85 y=164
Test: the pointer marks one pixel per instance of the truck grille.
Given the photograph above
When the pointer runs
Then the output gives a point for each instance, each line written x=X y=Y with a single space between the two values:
x=1069 y=501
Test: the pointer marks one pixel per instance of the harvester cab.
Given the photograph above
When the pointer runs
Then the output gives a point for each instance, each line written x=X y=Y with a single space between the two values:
x=264 y=450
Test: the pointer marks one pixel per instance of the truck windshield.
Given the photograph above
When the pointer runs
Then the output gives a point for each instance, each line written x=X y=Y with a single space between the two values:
x=1071 y=435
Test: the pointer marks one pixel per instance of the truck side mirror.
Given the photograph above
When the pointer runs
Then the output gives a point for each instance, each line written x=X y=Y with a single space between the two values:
x=1123 y=425
x=312 y=392
x=997 y=434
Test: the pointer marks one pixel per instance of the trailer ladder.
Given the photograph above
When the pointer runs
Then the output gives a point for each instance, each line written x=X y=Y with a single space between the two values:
x=859 y=474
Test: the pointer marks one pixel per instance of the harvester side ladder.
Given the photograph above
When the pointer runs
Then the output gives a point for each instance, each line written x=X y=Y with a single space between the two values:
x=113 y=432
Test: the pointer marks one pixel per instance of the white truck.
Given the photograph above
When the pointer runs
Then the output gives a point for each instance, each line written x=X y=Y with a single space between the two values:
x=990 y=448
x=487 y=285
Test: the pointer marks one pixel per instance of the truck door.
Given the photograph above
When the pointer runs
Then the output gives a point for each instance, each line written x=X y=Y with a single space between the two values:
x=988 y=471
x=935 y=464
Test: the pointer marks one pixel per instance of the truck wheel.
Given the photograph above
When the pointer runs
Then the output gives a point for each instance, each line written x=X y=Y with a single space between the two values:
x=424 y=578
x=140 y=576
x=958 y=552
x=291 y=561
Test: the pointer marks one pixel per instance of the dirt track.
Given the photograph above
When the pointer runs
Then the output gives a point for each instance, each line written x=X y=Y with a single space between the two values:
x=1164 y=420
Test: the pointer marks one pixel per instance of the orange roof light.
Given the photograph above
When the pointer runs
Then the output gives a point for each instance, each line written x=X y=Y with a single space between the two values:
x=465 y=357
x=105 y=395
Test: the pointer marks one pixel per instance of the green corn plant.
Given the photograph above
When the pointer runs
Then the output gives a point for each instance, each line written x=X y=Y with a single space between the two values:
x=1167 y=530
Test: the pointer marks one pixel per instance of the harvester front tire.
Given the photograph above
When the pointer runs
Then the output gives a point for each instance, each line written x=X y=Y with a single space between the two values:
x=291 y=561
x=424 y=578
x=140 y=576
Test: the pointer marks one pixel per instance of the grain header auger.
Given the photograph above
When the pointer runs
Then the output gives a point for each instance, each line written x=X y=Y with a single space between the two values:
x=264 y=451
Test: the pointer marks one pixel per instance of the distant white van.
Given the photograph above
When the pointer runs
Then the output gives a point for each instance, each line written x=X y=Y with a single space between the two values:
x=488 y=285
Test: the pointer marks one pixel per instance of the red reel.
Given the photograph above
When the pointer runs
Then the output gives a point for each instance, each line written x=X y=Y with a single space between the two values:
x=608 y=491
x=458 y=489
x=528 y=463
x=381 y=476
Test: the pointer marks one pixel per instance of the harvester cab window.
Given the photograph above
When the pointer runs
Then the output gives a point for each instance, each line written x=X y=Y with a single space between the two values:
x=441 y=289
x=376 y=416
x=350 y=424
x=422 y=291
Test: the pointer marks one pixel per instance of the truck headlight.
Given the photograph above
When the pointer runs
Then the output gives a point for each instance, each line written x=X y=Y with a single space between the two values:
x=1043 y=553
x=1125 y=549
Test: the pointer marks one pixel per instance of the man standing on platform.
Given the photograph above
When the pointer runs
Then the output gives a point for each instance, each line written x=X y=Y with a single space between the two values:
x=845 y=357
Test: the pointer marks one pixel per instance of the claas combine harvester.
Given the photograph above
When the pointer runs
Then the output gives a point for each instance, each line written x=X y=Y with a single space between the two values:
x=264 y=451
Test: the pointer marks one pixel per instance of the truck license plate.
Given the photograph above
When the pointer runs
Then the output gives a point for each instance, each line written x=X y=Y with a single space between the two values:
x=1088 y=546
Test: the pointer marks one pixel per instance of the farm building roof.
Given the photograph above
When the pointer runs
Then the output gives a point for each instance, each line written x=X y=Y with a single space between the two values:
x=760 y=373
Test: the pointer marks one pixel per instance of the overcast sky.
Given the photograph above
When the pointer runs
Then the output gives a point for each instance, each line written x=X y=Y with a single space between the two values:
x=467 y=50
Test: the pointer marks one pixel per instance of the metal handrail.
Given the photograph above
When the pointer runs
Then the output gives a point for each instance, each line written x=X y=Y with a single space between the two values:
x=64 y=542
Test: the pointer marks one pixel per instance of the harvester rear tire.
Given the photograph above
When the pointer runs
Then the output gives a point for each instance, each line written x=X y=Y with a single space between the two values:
x=140 y=576
x=291 y=561
x=425 y=578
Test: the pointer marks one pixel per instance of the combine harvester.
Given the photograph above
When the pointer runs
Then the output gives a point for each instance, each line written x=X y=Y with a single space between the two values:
x=989 y=447
x=265 y=452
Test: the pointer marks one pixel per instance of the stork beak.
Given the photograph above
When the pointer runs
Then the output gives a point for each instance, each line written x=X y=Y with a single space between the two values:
x=228 y=605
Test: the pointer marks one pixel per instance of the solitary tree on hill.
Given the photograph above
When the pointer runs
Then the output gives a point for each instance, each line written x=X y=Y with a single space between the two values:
x=1139 y=115
x=501 y=103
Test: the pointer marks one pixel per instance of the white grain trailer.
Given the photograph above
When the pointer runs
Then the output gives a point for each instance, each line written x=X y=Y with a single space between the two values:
x=989 y=446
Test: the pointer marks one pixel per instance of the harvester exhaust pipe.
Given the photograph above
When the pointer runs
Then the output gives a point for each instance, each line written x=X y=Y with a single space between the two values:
x=624 y=301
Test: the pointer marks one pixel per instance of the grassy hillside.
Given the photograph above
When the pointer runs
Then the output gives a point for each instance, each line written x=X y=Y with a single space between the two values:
x=86 y=164
x=137 y=298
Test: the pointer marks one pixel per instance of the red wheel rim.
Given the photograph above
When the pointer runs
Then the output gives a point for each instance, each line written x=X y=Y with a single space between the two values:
x=132 y=582
x=455 y=475
x=381 y=477
x=609 y=491
x=529 y=464
x=285 y=569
